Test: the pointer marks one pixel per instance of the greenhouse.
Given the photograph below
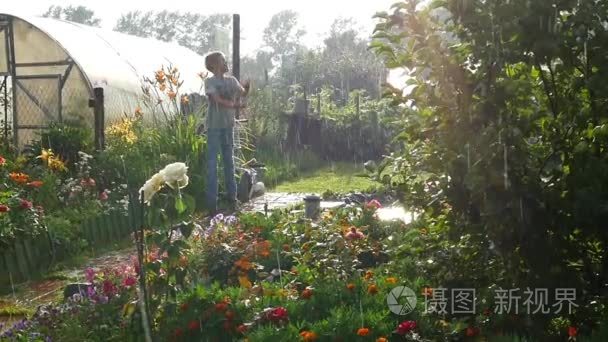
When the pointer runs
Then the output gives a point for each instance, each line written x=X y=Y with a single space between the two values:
x=49 y=68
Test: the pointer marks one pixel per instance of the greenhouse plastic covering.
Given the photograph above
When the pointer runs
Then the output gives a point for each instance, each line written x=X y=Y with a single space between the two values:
x=114 y=61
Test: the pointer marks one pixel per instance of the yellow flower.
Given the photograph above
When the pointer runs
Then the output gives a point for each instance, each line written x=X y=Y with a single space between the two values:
x=123 y=130
x=57 y=164
x=45 y=155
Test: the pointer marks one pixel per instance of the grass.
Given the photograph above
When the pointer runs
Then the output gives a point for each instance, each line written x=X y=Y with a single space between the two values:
x=338 y=177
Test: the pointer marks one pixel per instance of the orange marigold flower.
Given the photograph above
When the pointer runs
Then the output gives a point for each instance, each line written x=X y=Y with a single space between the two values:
x=243 y=263
x=372 y=289
x=309 y=336
x=350 y=287
x=307 y=293
x=368 y=275
x=363 y=331
x=381 y=339
x=19 y=177
x=391 y=280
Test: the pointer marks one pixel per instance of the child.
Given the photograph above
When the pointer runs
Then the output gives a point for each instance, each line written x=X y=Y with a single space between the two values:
x=223 y=92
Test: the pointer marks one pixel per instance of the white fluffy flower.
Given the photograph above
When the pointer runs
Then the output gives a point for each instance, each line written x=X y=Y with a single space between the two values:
x=176 y=175
x=153 y=185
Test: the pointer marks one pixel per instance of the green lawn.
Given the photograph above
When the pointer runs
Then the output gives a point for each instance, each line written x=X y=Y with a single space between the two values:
x=339 y=178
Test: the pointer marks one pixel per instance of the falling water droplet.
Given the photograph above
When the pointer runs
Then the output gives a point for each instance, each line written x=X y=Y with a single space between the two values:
x=468 y=156
x=521 y=209
x=506 y=166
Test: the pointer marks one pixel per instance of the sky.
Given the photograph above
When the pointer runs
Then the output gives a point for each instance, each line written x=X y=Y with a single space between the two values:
x=316 y=16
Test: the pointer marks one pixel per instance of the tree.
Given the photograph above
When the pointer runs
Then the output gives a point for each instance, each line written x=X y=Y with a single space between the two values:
x=282 y=35
x=200 y=33
x=506 y=138
x=78 y=14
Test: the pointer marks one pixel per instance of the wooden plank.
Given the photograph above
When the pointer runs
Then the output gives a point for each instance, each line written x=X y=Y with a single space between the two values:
x=22 y=264
x=11 y=264
x=33 y=262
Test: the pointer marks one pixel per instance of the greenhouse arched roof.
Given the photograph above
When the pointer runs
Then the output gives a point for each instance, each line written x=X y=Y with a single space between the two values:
x=75 y=58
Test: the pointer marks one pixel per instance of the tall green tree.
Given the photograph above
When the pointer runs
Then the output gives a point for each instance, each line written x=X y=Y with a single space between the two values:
x=506 y=139
x=77 y=14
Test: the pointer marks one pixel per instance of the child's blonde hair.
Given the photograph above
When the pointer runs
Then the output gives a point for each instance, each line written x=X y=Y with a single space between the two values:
x=212 y=58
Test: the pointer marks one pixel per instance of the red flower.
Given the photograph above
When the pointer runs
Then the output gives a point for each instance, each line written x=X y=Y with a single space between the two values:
x=194 y=325
x=4 y=208
x=129 y=281
x=472 y=331
x=572 y=331
x=277 y=314
x=363 y=331
x=309 y=336
x=242 y=328
x=108 y=288
x=307 y=293
x=35 y=184
x=25 y=204
x=221 y=306
x=406 y=327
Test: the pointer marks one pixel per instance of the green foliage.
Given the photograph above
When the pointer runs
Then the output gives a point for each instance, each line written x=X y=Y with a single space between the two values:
x=504 y=144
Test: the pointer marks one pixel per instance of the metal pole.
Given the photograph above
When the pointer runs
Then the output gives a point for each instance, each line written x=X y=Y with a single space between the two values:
x=97 y=102
x=13 y=72
x=5 y=108
x=236 y=50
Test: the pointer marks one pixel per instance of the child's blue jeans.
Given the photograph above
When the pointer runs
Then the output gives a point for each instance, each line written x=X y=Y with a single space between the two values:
x=220 y=139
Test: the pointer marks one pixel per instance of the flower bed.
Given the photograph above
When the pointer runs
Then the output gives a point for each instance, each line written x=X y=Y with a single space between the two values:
x=276 y=278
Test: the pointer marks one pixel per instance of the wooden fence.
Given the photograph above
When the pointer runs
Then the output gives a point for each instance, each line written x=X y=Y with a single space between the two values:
x=27 y=259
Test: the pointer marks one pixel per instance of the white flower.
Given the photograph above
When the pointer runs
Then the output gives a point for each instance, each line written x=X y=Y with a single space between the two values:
x=153 y=185
x=176 y=175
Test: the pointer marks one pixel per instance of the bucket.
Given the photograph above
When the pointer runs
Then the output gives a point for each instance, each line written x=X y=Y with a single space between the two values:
x=312 y=206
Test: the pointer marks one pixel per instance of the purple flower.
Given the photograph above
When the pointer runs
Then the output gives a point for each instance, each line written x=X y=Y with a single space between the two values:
x=231 y=220
x=90 y=291
x=89 y=274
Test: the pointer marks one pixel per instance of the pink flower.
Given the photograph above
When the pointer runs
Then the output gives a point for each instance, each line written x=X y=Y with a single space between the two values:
x=406 y=327
x=90 y=182
x=2 y=161
x=89 y=274
x=354 y=234
x=25 y=204
x=129 y=281
x=373 y=204
x=103 y=196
